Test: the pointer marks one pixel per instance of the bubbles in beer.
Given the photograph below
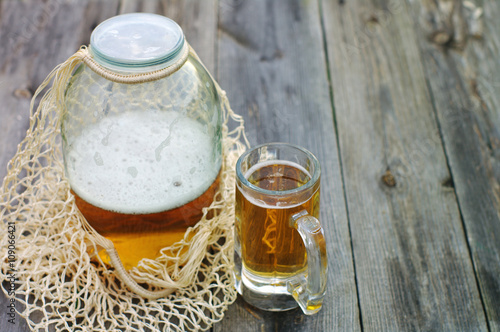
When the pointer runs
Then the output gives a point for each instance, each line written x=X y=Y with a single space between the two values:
x=132 y=171
x=97 y=159
x=153 y=161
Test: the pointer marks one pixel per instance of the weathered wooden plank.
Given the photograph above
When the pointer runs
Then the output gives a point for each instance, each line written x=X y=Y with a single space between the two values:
x=413 y=267
x=272 y=65
x=35 y=37
x=463 y=77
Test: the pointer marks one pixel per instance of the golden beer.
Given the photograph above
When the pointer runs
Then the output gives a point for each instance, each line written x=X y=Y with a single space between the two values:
x=138 y=236
x=279 y=248
x=269 y=246
x=142 y=178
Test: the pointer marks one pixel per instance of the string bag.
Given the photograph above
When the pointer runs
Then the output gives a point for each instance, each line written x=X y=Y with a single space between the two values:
x=117 y=208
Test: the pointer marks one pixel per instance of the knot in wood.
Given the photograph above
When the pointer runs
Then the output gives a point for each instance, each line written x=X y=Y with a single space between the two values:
x=388 y=179
x=441 y=37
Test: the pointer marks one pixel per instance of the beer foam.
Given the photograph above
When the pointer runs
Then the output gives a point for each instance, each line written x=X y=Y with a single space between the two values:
x=258 y=166
x=262 y=203
x=142 y=162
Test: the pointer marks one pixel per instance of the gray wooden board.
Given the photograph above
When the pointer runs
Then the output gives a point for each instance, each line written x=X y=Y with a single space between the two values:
x=35 y=37
x=271 y=63
x=464 y=79
x=413 y=267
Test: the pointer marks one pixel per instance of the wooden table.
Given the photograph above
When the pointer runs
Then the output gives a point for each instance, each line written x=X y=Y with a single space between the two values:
x=400 y=101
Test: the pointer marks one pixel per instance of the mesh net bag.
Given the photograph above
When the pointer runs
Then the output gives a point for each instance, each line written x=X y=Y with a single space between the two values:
x=51 y=262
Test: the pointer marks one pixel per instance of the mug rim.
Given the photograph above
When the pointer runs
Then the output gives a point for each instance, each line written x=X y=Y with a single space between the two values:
x=309 y=184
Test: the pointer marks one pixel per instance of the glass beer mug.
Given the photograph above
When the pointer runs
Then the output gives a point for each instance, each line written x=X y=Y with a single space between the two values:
x=280 y=250
x=142 y=159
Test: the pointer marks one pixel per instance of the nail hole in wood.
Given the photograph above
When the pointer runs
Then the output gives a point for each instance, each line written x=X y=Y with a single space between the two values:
x=23 y=93
x=448 y=183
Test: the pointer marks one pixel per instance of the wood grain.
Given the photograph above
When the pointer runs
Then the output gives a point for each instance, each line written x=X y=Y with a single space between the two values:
x=272 y=65
x=413 y=267
x=465 y=86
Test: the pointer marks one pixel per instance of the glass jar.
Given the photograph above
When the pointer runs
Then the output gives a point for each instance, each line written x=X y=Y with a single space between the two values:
x=142 y=159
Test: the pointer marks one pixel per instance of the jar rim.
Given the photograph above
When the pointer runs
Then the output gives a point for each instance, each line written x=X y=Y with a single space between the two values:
x=136 y=42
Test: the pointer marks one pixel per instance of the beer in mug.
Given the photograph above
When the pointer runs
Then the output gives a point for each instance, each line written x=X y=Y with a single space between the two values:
x=280 y=252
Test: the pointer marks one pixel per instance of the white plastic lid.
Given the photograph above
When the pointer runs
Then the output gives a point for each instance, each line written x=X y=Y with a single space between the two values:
x=136 y=40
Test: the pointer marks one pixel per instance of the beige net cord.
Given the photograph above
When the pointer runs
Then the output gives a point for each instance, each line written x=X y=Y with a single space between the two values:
x=51 y=252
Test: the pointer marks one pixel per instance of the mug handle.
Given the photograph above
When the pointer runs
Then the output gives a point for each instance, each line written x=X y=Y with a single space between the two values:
x=309 y=290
